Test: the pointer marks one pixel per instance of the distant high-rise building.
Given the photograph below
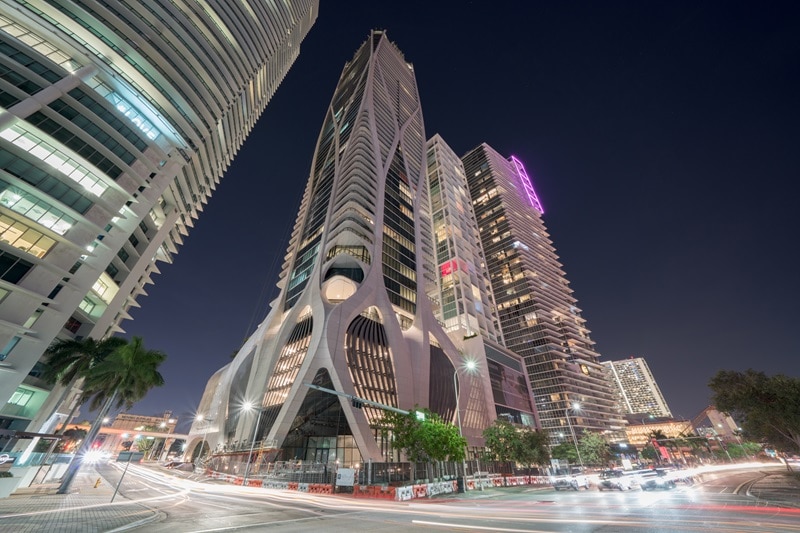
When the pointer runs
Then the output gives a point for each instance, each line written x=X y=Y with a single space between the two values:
x=636 y=388
x=539 y=317
x=353 y=314
x=117 y=121
x=464 y=302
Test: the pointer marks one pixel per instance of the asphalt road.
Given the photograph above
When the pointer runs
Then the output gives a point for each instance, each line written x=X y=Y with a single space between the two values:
x=716 y=504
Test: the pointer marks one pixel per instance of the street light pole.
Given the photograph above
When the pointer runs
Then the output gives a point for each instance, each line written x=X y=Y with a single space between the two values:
x=576 y=406
x=458 y=418
x=252 y=447
x=205 y=434
x=470 y=366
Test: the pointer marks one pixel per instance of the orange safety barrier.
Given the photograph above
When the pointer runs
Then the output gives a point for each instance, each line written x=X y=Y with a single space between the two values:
x=293 y=485
x=470 y=484
x=254 y=483
x=420 y=491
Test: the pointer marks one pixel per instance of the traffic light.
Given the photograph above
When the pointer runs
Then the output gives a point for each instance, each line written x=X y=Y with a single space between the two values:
x=355 y=402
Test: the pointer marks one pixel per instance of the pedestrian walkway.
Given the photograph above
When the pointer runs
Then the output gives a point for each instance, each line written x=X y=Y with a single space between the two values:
x=86 y=509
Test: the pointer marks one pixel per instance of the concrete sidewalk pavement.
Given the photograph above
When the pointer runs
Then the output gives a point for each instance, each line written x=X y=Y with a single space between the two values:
x=777 y=488
x=85 y=509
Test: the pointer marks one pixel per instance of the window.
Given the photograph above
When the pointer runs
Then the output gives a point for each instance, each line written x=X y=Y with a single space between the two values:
x=33 y=318
x=73 y=325
x=12 y=268
x=10 y=345
x=21 y=397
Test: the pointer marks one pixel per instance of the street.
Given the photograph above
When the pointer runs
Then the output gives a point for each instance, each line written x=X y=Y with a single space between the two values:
x=716 y=504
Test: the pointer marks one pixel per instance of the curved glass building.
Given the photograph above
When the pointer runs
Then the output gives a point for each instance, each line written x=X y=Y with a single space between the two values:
x=117 y=121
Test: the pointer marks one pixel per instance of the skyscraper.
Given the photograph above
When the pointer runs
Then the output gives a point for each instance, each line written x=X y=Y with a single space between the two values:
x=636 y=388
x=463 y=297
x=353 y=313
x=538 y=315
x=117 y=121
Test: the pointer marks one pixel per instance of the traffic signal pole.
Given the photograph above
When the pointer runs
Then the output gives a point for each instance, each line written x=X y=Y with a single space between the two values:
x=356 y=401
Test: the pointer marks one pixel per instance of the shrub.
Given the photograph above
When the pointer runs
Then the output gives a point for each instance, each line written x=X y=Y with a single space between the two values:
x=6 y=474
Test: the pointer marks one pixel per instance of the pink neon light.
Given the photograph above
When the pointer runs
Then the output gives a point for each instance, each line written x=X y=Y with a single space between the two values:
x=526 y=184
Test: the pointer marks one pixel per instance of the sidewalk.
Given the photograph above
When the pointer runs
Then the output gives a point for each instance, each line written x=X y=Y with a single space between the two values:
x=778 y=488
x=85 y=509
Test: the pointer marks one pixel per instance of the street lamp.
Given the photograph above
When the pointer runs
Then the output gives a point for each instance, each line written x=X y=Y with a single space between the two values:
x=470 y=367
x=575 y=407
x=248 y=406
x=208 y=421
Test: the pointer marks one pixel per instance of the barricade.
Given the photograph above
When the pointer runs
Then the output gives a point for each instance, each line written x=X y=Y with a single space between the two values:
x=442 y=487
x=403 y=494
x=497 y=482
x=420 y=491
x=254 y=483
x=292 y=485
x=362 y=491
x=302 y=487
x=470 y=484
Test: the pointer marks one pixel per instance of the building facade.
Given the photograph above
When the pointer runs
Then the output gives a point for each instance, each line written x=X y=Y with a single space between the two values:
x=635 y=387
x=539 y=317
x=353 y=314
x=462 y=296
x=117 y=121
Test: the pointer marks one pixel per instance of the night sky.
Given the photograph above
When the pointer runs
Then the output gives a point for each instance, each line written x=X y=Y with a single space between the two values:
x=661 y=137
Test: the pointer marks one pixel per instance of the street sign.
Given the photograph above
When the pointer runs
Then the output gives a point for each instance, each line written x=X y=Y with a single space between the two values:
x=345 y=477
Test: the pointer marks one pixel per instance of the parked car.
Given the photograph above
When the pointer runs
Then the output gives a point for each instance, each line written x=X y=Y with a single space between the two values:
x=566 y=479
x=616 y=480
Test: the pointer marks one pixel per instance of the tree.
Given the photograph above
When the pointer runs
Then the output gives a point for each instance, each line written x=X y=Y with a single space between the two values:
x=69 y=360
x=501 y=440
x=564 y=452
x=532 y=448
x=506 y=442
x=426 y=438
x=768 y=408
x=121 y=378
x=594 y=448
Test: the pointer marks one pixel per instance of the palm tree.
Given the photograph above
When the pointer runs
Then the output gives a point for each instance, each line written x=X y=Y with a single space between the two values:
x=122 y=378
x=68 y=360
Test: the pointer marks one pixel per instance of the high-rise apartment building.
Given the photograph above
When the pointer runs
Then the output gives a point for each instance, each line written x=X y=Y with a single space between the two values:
x=539 y=317
x=636 y=388
x=117 y=121
x=353 y=314
x=463 y=297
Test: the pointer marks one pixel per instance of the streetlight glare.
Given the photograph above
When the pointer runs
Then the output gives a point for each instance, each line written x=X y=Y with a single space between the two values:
x=471 y=365
x=248 y=406
x=576 y=406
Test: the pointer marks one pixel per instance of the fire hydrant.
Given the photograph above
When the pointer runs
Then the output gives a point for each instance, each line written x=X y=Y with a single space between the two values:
x=97 y=483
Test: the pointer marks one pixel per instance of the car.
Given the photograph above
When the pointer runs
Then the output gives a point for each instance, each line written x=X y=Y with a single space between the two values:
x=657 y=480
x=569 y=480
x=616 y=480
